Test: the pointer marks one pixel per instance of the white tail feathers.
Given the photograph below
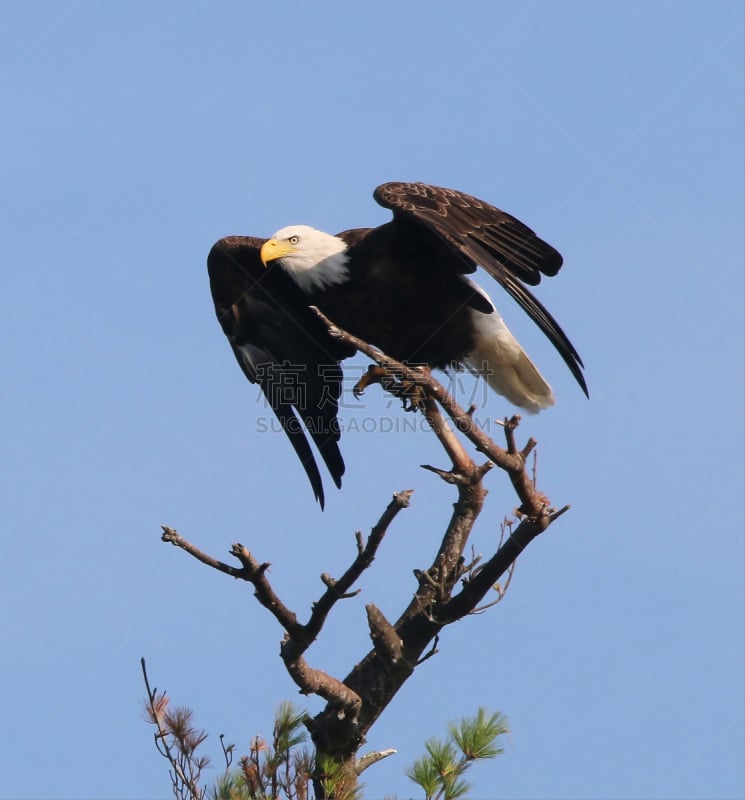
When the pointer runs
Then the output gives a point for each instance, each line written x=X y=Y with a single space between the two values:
x=504 y=365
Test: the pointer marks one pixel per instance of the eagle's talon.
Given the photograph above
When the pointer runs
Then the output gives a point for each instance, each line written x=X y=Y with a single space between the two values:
x=374 y=374
x=412 y=396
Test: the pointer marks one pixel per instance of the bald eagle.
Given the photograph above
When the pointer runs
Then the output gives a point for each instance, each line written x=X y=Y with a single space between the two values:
x=402 y=286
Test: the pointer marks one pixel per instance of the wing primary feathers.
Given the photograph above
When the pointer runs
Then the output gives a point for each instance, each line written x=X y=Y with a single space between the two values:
x=328 y=447
x=550 y=327
x=290 y=426
x=480 y=234
x=465 y=222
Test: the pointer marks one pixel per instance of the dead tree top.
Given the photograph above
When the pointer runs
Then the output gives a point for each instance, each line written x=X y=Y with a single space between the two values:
x=446 y=591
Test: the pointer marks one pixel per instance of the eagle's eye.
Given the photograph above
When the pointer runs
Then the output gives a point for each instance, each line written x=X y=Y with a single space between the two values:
x=293 y=240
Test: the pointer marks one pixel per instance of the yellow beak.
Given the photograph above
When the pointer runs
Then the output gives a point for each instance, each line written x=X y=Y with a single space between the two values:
x=273 y=249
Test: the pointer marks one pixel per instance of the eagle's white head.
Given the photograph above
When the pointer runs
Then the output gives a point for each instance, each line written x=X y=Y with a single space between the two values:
x=314 y=259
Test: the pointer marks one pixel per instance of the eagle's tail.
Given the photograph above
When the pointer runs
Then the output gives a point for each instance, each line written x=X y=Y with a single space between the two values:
x=499 y=359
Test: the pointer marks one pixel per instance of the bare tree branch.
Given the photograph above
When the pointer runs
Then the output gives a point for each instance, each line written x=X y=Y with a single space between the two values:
x=383 y=634
x=315 y=681
x=372 y=758
x=299 y=637
x=475 y=589
x=532 y=501
x=365 y=557
x=172 y=536
x=255 y=572
x=462 y=462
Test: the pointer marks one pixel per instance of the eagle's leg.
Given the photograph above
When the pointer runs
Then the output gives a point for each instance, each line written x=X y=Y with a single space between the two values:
x=411 y=394
x=375 y=374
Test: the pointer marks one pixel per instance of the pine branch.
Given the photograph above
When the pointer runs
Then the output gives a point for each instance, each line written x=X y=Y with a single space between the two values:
x=185 y=767
x=366 y=554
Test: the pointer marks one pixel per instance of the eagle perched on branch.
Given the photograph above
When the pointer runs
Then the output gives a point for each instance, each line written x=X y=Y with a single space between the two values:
x=403 y=287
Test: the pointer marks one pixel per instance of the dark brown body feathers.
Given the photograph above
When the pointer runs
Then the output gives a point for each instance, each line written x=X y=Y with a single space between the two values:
x=405 y=293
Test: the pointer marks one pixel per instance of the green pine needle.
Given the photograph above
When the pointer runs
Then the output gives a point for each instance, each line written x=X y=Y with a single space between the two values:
x=441 y=769
x=476 y=737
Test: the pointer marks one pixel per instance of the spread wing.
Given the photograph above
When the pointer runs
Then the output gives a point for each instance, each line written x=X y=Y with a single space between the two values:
x=480 y=234
x=282 y=346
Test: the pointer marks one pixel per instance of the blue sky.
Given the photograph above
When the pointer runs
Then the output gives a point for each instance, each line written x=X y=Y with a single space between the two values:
x=134 y=135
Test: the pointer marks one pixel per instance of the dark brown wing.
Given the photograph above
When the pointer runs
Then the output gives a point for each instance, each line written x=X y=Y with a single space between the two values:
x=480 y=234
x=281 y=345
